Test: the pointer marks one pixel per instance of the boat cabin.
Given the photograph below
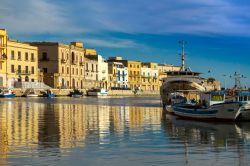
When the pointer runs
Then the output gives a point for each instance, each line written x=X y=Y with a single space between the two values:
x=211 y=98
x=242 y=96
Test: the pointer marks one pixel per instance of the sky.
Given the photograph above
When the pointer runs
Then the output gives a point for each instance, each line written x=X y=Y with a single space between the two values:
x=217 y=32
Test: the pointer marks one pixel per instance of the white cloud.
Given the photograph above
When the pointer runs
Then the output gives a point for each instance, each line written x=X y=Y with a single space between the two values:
x=112 y=43
x=29 y=16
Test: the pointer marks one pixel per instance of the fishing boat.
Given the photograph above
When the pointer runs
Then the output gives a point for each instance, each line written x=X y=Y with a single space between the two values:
x=184 y=79
x=97 y=92
x=7 y=93
x=244 y=97
x=210 y=106
x=76 y=93
x=49 y=94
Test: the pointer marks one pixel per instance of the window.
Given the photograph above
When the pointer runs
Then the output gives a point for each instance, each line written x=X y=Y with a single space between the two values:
x=32 y=70
x=62 y=70
x=19 y=68
x=26 y=69
x=12 y=54
x=67 y=70
x=92 y=67
x=45 y=70
x=26 y=56
x=44 y=56
x=96 y=68
x=73 y=71
x=12 y=69
x=19 y=55
x=32 y=57
x=32 y=80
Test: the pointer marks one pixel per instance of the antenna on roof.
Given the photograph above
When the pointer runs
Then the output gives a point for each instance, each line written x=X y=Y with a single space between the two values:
x=183 y=43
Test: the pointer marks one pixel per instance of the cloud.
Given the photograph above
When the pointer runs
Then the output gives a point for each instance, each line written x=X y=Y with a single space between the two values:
x=112 y=43
x=30 y=16
x=203 y=17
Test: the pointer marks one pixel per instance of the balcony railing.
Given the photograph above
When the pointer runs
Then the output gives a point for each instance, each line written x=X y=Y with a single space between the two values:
x=23 y=72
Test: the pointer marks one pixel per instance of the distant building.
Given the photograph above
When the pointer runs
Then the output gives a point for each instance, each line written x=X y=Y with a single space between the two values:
x=102 y=72
x=18 y=63
x=22 y=64
x=150 y=76
x=164 y=68
x=118 y=75
x=62 y=64
x=3 y=57
x=91 y=71
x=134 y=71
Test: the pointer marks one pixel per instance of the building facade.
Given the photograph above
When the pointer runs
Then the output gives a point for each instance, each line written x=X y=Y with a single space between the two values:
x=150 y=77
x=3 y=57
x=91 y=71
x=62 y=64
x=118 y=75
x=22 y=64
x=102 y=72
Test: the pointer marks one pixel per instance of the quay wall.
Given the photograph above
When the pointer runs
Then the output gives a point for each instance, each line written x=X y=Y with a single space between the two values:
x=65 y=92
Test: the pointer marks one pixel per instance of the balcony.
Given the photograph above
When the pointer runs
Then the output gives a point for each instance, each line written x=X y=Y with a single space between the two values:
x=33 y=60
x=23 y=72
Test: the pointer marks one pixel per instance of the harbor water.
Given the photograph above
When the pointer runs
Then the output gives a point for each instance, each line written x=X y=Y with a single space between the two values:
x=111 y=131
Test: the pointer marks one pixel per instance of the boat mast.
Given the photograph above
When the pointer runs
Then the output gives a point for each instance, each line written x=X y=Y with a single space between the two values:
x=237 y=77
x=182 y=43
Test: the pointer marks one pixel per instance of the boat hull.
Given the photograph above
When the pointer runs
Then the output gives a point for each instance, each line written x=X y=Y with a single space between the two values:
x=7 y=95
x=225 y=111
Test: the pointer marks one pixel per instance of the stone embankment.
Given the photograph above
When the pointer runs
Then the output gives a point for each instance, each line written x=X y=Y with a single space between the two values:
x=65 y=92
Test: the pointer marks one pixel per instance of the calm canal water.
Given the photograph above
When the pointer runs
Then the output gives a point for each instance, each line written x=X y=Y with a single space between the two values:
x=126 y=131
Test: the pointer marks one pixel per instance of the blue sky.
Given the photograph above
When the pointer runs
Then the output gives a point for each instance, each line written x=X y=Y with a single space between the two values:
x=217 y=31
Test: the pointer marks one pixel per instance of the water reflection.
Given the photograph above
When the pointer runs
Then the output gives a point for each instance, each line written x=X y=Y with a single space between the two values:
x=100 y=132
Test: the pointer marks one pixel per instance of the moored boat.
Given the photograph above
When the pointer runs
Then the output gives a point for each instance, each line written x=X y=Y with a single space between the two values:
x=7 y=93
x=211 y=105
x=76 y=93
x=49 y=94
x=97 y=92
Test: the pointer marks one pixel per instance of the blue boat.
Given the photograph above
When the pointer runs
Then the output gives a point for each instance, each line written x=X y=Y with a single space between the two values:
x=7 y=93
x=49 y=94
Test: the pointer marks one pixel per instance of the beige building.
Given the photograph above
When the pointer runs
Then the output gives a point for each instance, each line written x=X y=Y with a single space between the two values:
x=3 y=57
x=150 y=77
x=62 y=64
x=91 y=71
x=163 y=68
x=22 y=64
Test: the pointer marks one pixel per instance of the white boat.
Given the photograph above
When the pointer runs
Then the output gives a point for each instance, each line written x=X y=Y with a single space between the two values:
x=244 y=97
x=211 y=105
x=30 y=93
x=97 y=92
x=7 y=93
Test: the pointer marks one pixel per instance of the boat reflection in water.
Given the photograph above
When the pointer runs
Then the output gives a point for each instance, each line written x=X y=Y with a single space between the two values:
x=112 y=131
x=209 y=140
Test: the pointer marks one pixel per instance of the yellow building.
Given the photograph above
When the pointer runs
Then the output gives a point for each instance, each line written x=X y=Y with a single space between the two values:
x=62 y=64
x=150 y=77
x=22 y=63
x=134 y=71
x=90 y=51
x=3 y=57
